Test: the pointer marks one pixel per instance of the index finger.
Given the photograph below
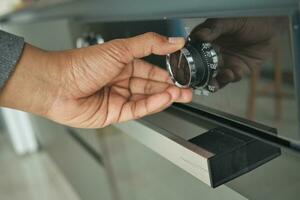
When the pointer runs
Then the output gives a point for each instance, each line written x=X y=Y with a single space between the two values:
x=145 y=70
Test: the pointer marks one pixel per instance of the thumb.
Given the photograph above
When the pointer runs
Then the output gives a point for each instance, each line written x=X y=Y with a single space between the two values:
x=153 y=43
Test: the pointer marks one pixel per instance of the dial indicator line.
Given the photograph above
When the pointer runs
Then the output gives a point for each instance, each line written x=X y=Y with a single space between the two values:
x=179 y=61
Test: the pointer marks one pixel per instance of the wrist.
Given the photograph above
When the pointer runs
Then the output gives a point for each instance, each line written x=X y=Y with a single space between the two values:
x=34 y=84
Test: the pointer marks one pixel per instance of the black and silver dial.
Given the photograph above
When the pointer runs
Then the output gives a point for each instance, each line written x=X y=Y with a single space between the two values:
x=193 y=66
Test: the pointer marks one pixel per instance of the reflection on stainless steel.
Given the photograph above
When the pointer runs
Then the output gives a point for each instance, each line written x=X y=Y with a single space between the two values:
x=244 y=127
x=255 y=78
x=295 y=37
x=242 y=48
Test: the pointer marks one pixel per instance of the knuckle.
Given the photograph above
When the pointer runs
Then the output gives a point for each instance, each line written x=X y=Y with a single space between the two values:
x=238 y=74
x=120 y=50
x=153 y=42
x=151 y=35
x=215 y=23
x=154 y=36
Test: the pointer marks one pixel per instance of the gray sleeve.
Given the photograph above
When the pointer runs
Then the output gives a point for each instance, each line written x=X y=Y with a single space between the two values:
x=11 y=48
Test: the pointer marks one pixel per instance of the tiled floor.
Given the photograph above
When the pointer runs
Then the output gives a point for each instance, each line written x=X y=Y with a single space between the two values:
x=31 y=177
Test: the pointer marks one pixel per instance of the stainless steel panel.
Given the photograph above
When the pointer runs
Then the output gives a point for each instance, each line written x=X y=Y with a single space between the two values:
x=91 y=137
x=141 y=173
x=276 y=180
x=182 y=153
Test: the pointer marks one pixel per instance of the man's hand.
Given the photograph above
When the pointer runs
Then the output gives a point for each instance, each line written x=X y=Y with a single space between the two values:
x=95 y=86
x=244 y=43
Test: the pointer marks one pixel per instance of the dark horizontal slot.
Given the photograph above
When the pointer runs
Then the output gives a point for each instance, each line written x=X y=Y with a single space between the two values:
x=241 y=127
x=86 y=146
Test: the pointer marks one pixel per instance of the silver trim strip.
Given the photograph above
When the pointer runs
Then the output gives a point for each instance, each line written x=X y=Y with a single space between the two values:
x=185 y=155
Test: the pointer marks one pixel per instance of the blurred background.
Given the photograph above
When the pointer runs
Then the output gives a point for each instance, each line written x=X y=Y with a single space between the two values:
x=40 y=159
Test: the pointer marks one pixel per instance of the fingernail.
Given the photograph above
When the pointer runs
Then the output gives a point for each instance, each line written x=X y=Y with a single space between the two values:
x=176 y=40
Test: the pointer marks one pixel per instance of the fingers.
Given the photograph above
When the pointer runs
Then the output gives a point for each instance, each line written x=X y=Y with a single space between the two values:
x=147 y=97
x=150 y=79
x=139 y=88
x=178 y=95
x=238 y=65
x=146 y=105
x=182 y=95
x=152 y=43
x=233 y=70
x=146 y=86
x=210 y=30
x=224 y=77
x=143 y=107
x=143 y=69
